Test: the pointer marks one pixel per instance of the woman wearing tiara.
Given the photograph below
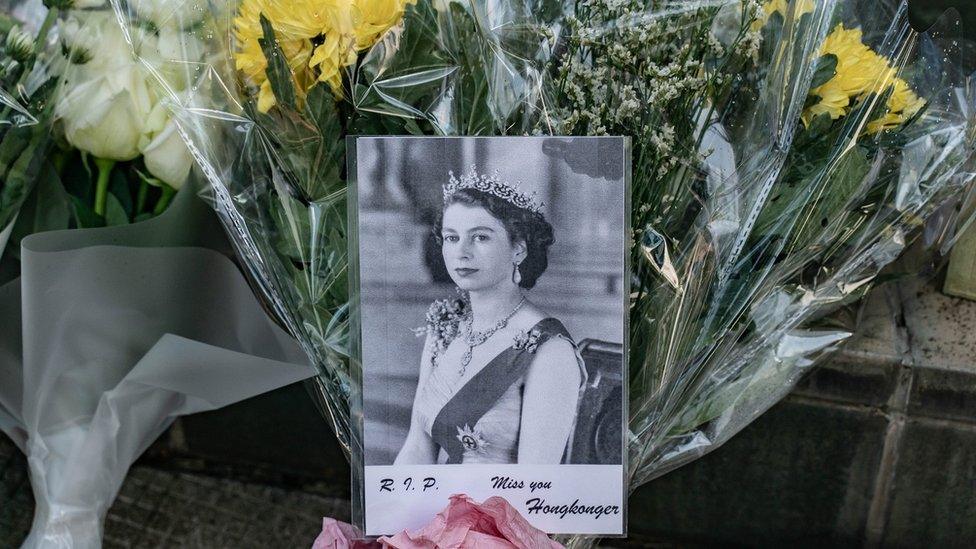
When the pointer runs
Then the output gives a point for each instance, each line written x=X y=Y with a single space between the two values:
x=500 y=380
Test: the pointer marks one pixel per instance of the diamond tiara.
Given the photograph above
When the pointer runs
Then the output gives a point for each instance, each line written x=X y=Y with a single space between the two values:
x=511 y=193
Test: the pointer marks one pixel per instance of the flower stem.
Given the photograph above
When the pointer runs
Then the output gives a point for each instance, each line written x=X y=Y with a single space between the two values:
x=41 y=41
x=58 y=159
x=141 y=196
x=168 y=194
x=101 y=188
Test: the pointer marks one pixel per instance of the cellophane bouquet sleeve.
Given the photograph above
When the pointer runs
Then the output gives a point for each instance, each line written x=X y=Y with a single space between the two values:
x=784 y=152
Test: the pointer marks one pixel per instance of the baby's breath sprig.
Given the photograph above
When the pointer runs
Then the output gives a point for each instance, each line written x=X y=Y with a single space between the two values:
x=655 y=79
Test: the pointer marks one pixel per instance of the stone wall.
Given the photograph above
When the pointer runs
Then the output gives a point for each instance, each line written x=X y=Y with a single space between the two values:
x=877 y=447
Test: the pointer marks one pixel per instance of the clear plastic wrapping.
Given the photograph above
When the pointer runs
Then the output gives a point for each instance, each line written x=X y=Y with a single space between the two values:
x=28 y=79
x=784 y=153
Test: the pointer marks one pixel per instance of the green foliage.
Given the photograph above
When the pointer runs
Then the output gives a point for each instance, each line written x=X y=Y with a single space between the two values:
x=84 y=216
x=800 y=208
x=115 y=213
x=429 y=61
x=62 y=195
x=31 y=145
x=826 y=69
x=24 y=133
x=395 y=79
x=472 y=111
x=325 y=155
x=48 y=208
x=279 y=74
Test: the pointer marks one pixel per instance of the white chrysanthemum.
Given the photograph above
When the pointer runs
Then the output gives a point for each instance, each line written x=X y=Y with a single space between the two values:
x=19 y=44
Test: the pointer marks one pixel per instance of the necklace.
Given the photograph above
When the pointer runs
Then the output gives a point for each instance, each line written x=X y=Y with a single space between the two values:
x=473 y=339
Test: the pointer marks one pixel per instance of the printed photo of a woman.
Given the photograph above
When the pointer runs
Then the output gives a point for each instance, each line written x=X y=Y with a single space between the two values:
x=500 y=378
x=492 y=300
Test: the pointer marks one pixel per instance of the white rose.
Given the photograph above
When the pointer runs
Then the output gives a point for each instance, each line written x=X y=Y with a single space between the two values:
x=170 y=13
x=175 y=54
x=105 y=116
x=163 y=149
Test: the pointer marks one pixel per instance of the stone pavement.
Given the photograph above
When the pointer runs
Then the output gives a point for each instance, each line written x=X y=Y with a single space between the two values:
x=16 y=501
x=159 y=508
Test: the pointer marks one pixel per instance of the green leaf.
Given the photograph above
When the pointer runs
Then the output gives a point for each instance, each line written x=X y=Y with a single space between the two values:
x=292 y=241
x=279 y=74
x=833 y=202
x=85 y=217
x=416 y=72
x=14 y=143
x=710 y=406
x=549 y=10
x=46 y=209
x=115 y=213
x=826 y=69
x=415 y=78
x=325 y=152
x=119 y=188
x=819 y=126
x=812 y=100
x=23 y=172
x=419 y=25
x=412 y=127
x=321 y=108
x=77 y=179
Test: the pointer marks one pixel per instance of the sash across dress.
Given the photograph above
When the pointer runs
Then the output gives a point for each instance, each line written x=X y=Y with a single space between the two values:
x=480 y=422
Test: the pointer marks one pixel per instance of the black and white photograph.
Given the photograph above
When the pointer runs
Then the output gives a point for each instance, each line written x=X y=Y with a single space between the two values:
x=492 y=301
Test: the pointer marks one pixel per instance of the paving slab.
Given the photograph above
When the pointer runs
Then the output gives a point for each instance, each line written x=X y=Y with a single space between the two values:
x=932 y=502
x=941 y=328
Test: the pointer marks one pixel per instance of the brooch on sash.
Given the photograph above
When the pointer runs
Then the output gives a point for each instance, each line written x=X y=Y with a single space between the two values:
x=471 y=440
x=528 y=340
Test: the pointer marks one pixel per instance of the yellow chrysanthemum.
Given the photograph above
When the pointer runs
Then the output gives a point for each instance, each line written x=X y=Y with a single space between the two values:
x=781 y=7
x=296 y=23
x=858 y=68
x=318 y=38
x=902 y=105
x=859 y=72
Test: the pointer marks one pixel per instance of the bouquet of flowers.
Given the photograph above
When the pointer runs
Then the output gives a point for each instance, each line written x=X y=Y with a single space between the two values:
x=97 y=354
x=87 y=141
x=783 y=153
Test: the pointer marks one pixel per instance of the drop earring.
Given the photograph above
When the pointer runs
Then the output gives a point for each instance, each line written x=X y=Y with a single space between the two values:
x=516 y=274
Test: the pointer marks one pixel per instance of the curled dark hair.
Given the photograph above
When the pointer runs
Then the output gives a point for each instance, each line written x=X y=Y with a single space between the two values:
x=521 y=224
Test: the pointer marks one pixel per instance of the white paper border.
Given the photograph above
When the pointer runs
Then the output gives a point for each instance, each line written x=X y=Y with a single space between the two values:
x=579 y=499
